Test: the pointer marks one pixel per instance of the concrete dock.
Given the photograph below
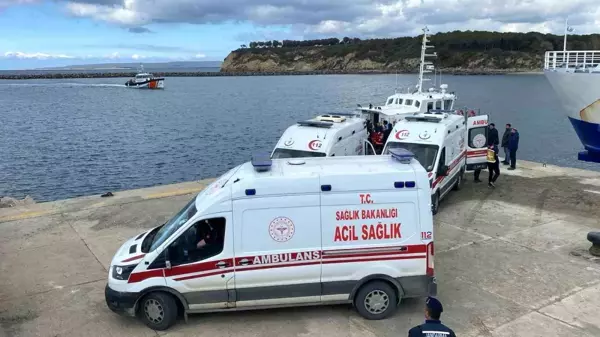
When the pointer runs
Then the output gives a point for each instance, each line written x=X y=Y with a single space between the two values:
x=510 y=261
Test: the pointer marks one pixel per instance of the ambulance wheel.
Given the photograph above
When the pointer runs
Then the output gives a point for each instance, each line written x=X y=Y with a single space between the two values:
x=459 y=181
x=376 y=300
x=158 y=310
x=435 y=203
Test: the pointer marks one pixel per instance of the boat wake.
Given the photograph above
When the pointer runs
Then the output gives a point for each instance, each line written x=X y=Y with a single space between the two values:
x=65 y=84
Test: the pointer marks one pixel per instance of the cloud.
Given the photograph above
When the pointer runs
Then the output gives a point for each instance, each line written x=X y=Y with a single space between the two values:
x=366 y=18
x=115 y=56
x=39 y=56
x=139 y=30
x=143 y=47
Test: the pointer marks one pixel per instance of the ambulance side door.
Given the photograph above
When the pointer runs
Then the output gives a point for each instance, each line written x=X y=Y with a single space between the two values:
x=203 y=274
x=477 y=134
x=277 y=242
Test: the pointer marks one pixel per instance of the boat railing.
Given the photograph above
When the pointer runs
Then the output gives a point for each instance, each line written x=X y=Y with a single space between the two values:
x=575 y=59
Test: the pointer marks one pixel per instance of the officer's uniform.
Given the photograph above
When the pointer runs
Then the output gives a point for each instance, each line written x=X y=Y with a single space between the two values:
x=432 y=328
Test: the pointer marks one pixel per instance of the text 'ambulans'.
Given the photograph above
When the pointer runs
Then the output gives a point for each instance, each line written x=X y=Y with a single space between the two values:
x=287 y=257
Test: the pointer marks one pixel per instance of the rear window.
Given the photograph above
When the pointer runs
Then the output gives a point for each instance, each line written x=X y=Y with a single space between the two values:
x=478 y=137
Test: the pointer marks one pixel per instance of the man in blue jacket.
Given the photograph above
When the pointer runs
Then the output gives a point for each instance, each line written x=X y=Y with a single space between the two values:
x=513 y=146
x=433 y=327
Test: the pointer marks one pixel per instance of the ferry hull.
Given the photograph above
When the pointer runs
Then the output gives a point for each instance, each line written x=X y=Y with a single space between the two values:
x=579 y=94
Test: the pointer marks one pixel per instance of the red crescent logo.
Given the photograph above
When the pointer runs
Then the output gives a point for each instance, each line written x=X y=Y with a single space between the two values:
x=314 y=144
x=402 y=134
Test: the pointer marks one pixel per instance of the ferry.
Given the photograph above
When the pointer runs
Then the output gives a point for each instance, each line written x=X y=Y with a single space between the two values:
x=575 y=78
x=417 y=100
x=144 y=80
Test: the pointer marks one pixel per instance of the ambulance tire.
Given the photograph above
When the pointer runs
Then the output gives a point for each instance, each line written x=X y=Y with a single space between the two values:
x=435 y=203
x=158 y=310
x=372 y=297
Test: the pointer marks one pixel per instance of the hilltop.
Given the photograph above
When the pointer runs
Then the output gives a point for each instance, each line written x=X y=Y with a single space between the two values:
x=458 y=52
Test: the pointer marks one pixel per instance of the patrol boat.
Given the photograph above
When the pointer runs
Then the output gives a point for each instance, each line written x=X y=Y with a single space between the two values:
x=575 y=78
x=419 y=100
x=144 y=80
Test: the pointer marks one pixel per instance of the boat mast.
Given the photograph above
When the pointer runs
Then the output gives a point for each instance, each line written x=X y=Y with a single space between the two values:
x=425 y=66
x=567 y=31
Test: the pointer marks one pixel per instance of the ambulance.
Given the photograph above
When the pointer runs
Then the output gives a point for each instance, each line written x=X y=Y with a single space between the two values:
x=286 y=232
x=446 y=144
x=326 y=135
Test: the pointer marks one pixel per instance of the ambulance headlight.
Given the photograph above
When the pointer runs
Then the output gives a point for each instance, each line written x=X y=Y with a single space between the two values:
x=122 y=272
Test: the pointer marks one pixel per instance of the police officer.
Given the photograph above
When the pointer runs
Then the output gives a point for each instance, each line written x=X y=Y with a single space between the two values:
x=433 y=327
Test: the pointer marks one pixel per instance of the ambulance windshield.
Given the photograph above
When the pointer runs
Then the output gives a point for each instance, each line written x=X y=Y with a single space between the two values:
x=173 y=225
x=424 y=153
x=289 y=153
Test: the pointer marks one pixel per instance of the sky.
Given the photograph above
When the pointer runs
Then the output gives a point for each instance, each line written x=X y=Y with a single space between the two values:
x=41 y=33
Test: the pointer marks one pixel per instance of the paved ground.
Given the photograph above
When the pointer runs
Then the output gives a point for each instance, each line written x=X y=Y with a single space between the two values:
x=510 y=262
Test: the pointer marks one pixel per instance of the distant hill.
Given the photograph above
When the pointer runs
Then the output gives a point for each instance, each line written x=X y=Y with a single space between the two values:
x=135 y=65
x=458 y=52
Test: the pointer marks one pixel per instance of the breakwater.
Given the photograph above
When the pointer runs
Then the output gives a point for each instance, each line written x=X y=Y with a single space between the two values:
x=56 y=75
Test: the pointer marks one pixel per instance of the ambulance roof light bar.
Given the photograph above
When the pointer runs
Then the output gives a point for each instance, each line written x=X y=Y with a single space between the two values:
x=424 y=118
x=316 y=124
x=402 y=155
x=261 y=162
x=440 y=111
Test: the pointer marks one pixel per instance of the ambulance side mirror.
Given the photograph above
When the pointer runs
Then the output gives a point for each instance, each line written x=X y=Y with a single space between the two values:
x=167 y=259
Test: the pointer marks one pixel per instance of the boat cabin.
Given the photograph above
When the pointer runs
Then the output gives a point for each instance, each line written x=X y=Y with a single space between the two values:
x=143 y=77
x=400 y=105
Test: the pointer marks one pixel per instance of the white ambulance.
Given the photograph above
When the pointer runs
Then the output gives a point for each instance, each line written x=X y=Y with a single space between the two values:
x=323 y=136
x=286 y=232
x=446 y=144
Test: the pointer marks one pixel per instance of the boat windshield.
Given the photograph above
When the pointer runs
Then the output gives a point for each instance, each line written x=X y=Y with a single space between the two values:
x=174 y=224
x=424 y=153
x=289 y=153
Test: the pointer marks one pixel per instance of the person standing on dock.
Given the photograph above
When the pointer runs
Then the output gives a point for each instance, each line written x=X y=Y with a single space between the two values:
x=493 y=165
x=433 y=326
x=505 y=144
x=493 y=140
x=513 y=146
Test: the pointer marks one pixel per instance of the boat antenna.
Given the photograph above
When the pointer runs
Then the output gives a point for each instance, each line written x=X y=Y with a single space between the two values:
x=425 y=66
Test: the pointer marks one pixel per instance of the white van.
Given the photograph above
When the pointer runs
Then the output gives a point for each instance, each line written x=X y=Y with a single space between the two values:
x=286 y=232
x=323 y=136
x=439 y=141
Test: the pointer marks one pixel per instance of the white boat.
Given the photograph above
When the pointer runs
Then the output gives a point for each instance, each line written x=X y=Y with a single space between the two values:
x=418 y=100
x=144 y=80
x=575 y=78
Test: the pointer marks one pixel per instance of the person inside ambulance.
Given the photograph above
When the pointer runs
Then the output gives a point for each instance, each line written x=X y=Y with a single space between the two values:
x=209 y=241
x=201 y=241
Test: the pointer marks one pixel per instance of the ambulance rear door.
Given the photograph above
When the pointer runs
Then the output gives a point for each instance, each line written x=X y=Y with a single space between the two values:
x=477 y=135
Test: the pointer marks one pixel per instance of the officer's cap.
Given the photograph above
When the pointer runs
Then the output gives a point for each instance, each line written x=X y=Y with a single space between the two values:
x=434 y=305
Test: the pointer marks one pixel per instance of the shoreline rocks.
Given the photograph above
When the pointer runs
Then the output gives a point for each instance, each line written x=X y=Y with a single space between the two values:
x=259 y=73
x=6 y=202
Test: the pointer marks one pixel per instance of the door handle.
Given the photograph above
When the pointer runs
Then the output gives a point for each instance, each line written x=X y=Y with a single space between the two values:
x=244 y=262
x=222 y=264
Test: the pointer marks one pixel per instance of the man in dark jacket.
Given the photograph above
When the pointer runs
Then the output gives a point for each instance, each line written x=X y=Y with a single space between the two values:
x=513 y=146
x=505 y=144
x=433 y=326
